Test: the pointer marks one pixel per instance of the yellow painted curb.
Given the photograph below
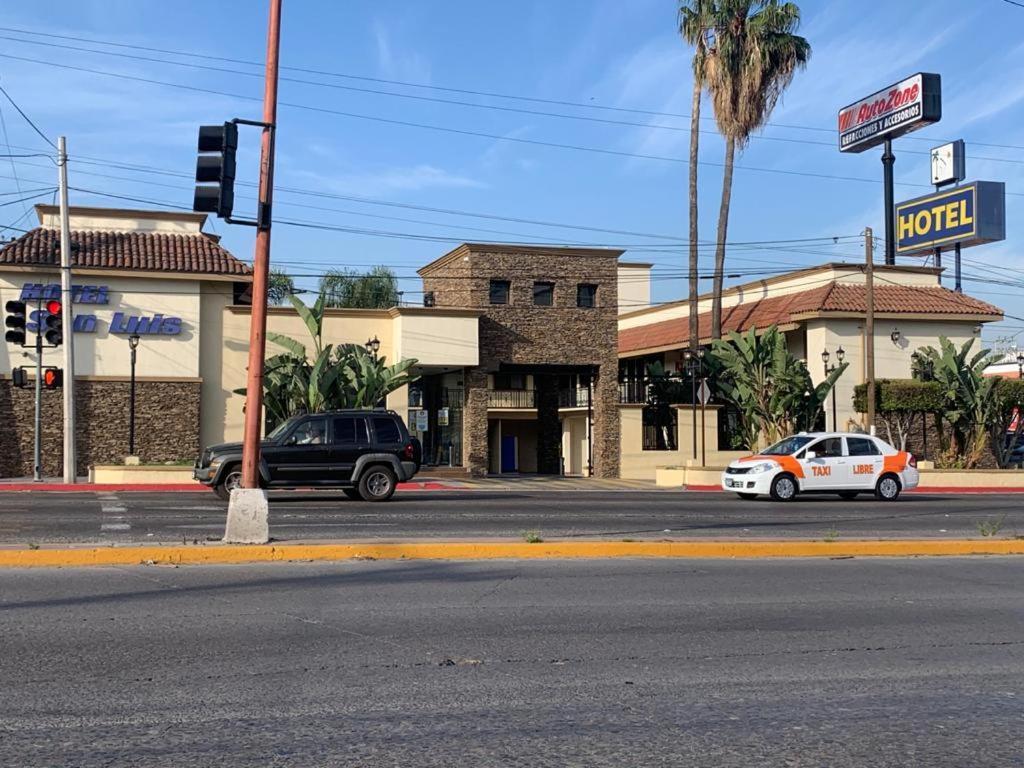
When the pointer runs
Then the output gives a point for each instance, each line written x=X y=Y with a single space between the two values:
x=227 y=553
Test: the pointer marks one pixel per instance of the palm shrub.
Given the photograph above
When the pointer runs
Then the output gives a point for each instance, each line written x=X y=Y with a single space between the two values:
x=324 y=377
x=968 y=407
x=770 y=388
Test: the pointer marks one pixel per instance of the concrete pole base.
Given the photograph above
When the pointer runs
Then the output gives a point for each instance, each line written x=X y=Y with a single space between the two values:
x=248 y=514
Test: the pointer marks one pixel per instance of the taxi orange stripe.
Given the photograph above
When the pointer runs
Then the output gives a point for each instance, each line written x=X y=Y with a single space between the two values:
x=788 y=463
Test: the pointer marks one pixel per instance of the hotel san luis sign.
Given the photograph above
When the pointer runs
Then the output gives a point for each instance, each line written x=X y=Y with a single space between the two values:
x=121 y=323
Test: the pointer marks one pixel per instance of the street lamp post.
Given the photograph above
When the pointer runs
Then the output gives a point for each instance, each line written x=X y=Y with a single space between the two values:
x=373 y=347
x=1020 y=365
x=133 y=345
x=825 y=356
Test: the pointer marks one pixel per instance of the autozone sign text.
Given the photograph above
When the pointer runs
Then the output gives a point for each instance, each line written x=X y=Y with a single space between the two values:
x=901 y=108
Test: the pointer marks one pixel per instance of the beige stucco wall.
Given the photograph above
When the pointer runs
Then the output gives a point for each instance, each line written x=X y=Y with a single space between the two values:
x=892 y=361
x=634 y=287
x=106 y=354
x=638 y=464
x=437 y=338
x=800 y=281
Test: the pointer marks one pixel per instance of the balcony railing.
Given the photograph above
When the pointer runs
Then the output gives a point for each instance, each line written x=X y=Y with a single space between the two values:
x=511 y=398
x=633 y=391
x=578 y=397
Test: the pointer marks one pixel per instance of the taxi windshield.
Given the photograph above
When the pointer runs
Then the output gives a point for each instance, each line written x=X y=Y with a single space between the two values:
x=788 y=446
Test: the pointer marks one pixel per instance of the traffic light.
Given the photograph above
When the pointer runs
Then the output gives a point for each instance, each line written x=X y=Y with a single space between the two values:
x=15 y=322
x=53 y=324
x=53 y=378
x=215 y=170
x=19 y=378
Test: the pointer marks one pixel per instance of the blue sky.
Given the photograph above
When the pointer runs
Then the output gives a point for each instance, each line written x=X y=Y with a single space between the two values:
x=599 y=53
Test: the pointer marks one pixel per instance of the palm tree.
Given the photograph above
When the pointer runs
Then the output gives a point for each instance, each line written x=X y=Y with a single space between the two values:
x=753 y=59
x=696 y=17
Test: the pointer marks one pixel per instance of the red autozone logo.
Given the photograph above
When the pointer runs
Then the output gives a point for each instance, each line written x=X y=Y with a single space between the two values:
x=879 y=105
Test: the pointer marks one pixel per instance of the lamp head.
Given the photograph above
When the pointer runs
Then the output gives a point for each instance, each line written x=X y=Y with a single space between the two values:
x=133 y=340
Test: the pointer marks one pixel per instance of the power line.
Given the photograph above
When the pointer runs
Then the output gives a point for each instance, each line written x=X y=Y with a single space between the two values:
x=446 y=89
x=461 y=131
x=454 y=102
x=26 y=117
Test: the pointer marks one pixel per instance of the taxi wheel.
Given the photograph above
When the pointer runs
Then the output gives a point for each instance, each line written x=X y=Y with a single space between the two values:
x=784 y=488
x=888 y=488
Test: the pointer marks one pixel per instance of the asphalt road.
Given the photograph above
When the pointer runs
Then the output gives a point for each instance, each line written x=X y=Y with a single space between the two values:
x=872 y=662
x=54 y=518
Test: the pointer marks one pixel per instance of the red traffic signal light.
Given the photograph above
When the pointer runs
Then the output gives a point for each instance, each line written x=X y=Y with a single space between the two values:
x=53 y=323
x=53 y=378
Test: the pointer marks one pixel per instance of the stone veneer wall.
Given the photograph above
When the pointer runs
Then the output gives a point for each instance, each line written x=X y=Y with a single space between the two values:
x=166 y=424
x=523 y=334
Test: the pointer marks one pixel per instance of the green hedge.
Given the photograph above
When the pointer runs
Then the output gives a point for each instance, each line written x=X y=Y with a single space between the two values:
x=894 y=395
x=911 y=395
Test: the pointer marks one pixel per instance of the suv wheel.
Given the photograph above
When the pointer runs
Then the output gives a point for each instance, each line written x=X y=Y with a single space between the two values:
x=232 y=479
x=377 y=483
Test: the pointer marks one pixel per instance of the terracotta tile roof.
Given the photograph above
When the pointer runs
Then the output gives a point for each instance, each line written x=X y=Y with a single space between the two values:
x=781 y=310
x=146 y=251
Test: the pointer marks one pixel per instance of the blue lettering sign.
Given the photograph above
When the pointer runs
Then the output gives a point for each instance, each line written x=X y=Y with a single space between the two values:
x=121 y=323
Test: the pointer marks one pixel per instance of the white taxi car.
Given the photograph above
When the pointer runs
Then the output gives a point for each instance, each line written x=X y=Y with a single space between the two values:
x=845 y=463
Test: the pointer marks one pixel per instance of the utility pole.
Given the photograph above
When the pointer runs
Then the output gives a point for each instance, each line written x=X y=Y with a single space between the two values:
x=869 y=325
x=248 y=513
x=68 y=329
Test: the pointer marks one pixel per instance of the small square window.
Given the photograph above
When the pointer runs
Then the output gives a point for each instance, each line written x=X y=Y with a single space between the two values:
x=543 y=294
x=499 y=291
x=586 y=295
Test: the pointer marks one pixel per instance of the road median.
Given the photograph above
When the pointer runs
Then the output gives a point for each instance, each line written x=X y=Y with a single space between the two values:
x=214 y=553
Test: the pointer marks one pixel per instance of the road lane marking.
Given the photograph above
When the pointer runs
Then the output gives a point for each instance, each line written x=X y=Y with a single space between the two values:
x=112 y=511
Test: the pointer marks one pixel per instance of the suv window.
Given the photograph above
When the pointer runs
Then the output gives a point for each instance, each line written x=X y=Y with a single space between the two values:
x=386 y=430
x=312 y=432
x=829 y=448
x=350 y=430
x=862 y=446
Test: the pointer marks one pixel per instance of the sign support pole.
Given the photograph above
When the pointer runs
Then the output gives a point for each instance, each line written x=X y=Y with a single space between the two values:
x=959 y=287
x=888 y=161
x=869 y=325
x=68 y=323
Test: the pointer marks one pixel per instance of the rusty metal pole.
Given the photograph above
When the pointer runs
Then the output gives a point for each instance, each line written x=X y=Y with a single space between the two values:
x=261 y=262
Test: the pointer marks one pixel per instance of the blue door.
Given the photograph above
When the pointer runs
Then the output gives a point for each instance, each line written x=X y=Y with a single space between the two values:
x=508 y=453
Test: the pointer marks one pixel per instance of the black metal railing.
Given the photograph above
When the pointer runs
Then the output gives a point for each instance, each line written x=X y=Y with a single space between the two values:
x=511 y=398
x=577 y=397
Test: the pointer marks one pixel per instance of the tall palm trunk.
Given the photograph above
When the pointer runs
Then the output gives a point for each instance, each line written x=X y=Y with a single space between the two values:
x=723 y=227
x=694 y=146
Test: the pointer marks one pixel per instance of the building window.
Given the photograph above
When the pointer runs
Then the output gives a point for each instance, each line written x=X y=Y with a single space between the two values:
x=586 y=295
x=543 y=294
x=509 y=381
x=661 y=428
x=499 y=291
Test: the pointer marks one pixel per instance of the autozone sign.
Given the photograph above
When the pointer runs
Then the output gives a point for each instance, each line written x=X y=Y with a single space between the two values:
x=901 y=108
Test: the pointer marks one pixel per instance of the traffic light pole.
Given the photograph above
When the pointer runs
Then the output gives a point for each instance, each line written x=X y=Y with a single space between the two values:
x=37 y=448
x=247 y=511
x=68 y=312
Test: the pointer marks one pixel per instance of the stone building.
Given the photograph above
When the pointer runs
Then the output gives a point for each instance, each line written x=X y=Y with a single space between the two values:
x=544 y=397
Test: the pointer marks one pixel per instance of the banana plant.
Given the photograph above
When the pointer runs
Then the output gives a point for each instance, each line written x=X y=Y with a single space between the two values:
x=969 y=405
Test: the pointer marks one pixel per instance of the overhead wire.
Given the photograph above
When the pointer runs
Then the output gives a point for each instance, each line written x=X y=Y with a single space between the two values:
x=433 y=87
x=27 y=119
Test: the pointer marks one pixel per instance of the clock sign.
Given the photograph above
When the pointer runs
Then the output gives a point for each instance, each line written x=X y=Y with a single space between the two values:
x=948 y=163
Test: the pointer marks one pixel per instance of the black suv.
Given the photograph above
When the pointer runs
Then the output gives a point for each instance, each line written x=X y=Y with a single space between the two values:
x=364 y=453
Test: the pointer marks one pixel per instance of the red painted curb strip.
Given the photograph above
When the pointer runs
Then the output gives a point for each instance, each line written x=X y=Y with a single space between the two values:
x=170 y=488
